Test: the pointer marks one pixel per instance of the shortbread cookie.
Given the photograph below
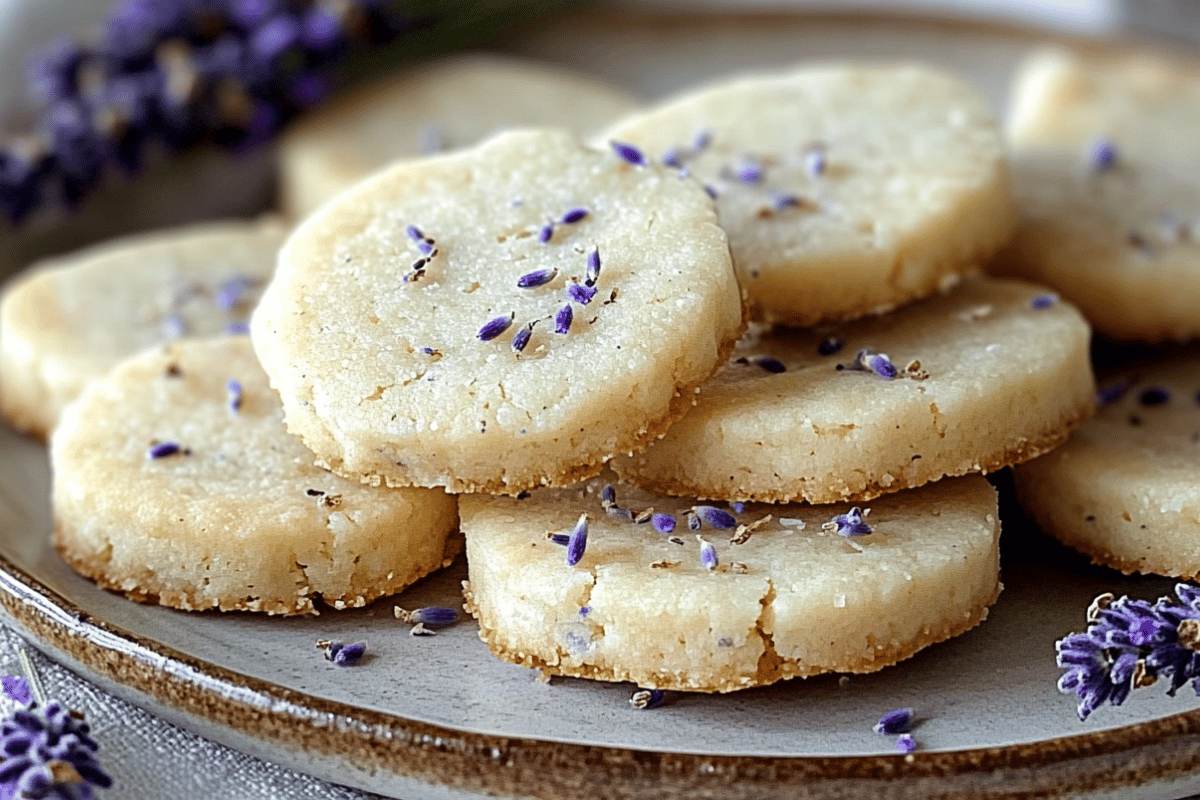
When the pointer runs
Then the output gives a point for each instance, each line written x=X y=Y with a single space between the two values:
x=845 y=190
x=498 y=319
x=175 y=482
x=453 y=103
x=990 y=374
x=1123 y=490
x=1104 y=167
x=807 y=590
x=70 y=320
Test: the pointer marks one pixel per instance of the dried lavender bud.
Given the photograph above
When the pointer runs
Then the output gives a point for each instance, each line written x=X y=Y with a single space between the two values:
x=574 y=215
x=415 y=233
x=233 y=291
x=693 y=521
x=814 y=163
x=546 y=233
x=578 y=541
x=905 y=743
x=672 y=158
x=164 y=449
x=563 y=319
x=851 y=523
x=708 y=555
x=608 y=495
x=829 y=346
x=716 y=517
x=541 y=277
x=782 y=200
x=738 y=507
x=49 y=754
x=894 y=722
x=1111 y=394
x=17 y=689
x=593 y=267
x=494 y=328
x=1103 y=156
x=772 y=365
x=233 y=389
x=710 y=191
x=1154 y=396
x=749 y=170
x=629 y=153
x=702 y=141
x=433 y=616
x=663 y=523
x=562 y=539
x=581 y=293
x=882 y=366
x=1043 y=301
x=646 y=699
x=426 y=248
x=343 y=655
x=521 y=340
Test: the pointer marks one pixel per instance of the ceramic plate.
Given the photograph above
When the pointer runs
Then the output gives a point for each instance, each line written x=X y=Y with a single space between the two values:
x=439 y=717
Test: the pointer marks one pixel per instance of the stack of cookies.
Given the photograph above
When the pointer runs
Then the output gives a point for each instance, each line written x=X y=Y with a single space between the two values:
x=1104 y=167
x=714 y=392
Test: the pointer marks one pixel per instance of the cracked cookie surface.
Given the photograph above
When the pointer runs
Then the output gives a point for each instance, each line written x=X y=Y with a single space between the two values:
x=173 y=486
x=498 y=319
x=1003 y=376
x=785 y=598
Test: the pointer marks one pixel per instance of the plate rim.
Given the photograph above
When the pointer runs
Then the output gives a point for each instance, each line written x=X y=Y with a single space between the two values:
x=376 y=743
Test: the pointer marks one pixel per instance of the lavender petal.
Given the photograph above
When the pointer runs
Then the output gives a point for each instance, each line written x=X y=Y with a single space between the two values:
x=629 y=153
x=663 y=523
x=563 y=319
x=494 y=328
x=536 y=278
x=578 y=541
x=574 y=215
x=716 y=517
x=893 y=722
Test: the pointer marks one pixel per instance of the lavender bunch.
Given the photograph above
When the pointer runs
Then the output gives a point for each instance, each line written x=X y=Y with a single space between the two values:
x=175 y=73
x=46 y=753
x=1130 y=644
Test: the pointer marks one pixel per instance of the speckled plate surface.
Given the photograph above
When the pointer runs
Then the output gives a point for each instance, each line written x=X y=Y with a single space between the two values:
x=439 y=717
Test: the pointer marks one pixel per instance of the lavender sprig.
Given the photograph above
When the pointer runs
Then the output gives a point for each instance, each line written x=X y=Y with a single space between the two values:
x=47 y=753
x=171 y=74
x=1129 y=644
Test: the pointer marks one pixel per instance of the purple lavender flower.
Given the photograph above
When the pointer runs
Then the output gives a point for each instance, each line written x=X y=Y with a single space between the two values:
x=581 y=293
x=646 y=699
x=1043 y=301
x=708 y=555
x=164 y=449
x=882 y=366
x=47 y=754
x=663 y=523
x=829 y=346
x=494 y=328
x=574 y=215
x=716 y=517
x=1154 y=396
x=608 y=495
x=1110 y=394
x=541 y=277
x=672 y=158
x=1130 y=644
x=814 y=163
x=905 y=743
x=233 y=390
x=521 y=340
x=749 y=170
x=344 y=655
x=772 y=365
x=578 y=541
x=233 y=291
x=629 y=153
x=433 y=616
x=1103 y=155
x=851 y=523
x=546 y=233
x=593 y=267
x=894 y=722
x=563 y=319
x=561 y=539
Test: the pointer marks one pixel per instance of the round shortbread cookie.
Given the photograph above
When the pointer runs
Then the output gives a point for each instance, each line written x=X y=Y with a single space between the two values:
x=1104 y=171
x=1123 y=489
x=845 y=190
x=793 y=599
x=1003 y=376
x=449 y=104
x=173 y=486
x=71 y=319
x=407 y=368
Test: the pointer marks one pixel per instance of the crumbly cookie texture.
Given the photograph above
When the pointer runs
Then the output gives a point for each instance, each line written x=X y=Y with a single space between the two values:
x=174 y=486
x=69 y=320
x=782 y=594
x=1123 y=490
x=498 y=319
x=449 y=104
x=1104 y=171
x=992 y=373
x=845 y=190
